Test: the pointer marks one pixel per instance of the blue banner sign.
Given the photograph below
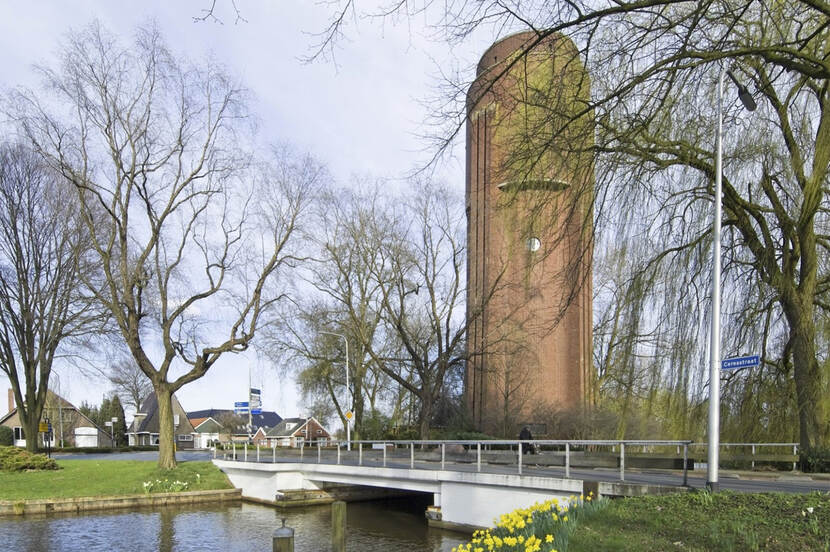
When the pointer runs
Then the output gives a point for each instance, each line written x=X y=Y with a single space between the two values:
x=740 y=362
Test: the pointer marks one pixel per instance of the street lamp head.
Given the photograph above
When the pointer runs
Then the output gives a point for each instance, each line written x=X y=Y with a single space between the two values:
x=746 y=98
x=743 y=93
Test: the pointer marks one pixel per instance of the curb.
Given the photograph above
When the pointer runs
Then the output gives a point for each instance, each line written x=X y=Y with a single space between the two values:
x=92 y=503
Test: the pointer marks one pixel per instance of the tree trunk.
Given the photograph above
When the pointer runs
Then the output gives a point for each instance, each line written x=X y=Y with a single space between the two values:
x=30 y=428
x=809 y=384
x=167 y=452
x=424 y=416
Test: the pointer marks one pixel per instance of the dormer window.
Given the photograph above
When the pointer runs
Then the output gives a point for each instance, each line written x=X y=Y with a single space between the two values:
x=289 y=426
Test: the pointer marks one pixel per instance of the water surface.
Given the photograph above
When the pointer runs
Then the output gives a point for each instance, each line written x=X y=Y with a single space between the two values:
x=386 y=525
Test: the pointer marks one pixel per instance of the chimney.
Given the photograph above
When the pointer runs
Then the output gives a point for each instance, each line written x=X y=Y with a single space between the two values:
x=11 y=400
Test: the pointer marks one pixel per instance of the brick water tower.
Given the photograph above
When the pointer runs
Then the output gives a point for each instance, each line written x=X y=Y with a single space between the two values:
x=529 y=192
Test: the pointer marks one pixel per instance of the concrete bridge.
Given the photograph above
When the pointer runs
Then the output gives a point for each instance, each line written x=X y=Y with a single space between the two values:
x=471 y=482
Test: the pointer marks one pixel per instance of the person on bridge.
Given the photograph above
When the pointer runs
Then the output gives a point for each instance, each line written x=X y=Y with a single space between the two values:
x=525 y=435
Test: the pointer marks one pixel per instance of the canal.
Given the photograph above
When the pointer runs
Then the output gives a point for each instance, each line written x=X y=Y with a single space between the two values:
x=384 y=525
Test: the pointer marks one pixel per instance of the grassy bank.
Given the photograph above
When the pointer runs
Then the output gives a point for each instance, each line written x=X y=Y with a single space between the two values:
x=78 y=478
x=704 y=521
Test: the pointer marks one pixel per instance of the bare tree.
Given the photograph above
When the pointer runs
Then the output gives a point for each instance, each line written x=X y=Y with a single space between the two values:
x=189 y=235
x=348 y=238
x=423 y=296
x=44 y=259
x=130 y=383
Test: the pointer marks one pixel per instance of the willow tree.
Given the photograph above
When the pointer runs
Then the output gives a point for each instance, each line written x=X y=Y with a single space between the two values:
x=189 y=234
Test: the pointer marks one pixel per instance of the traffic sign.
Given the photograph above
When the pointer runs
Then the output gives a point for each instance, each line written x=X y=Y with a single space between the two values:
x=243 y=404
x=740 y=362
x=349 y=415
x=43 y=427
x=256 y=411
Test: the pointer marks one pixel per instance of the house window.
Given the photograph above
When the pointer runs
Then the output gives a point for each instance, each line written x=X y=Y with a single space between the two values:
x=19 y=435
x=319 y=432
x=184 y=437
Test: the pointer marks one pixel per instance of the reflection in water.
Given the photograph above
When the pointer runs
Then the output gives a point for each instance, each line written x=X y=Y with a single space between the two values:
x=388 y=525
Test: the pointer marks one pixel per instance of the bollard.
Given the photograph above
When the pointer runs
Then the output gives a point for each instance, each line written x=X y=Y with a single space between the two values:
x=283 y=539
x=622 y=461
x=338 y=526
x=568 y=460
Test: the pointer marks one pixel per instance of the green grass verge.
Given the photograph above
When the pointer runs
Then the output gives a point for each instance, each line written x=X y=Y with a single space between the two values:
x=702 y=521
x=109 y=477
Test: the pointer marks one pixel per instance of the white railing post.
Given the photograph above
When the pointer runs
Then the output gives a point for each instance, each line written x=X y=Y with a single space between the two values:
x=753 y=459
x=234 y=452
x=567 y=460
x=795 y=453
x=478 y=457
x=622 y=461
x=360 y=454
x=318 y=451
x=274 y=454
x=302 y=452
x=338 y=453
x=246 y=452
x=520 y=457
x=412 y=455
x=443 y=451
x=384 y=455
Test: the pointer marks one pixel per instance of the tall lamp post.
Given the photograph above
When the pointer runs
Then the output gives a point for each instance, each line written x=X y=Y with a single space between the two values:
x=714 y=348
x=348 y=421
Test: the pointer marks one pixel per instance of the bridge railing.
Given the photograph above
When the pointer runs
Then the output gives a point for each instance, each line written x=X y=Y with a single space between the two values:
x=503 y=452
x=753 y=453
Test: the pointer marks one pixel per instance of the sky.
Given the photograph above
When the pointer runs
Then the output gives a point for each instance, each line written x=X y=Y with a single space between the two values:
x=361 y=114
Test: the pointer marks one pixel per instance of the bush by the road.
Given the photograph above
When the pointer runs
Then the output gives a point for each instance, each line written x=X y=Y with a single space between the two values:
x=816 y=460
x=14 y=459
x=6 y=436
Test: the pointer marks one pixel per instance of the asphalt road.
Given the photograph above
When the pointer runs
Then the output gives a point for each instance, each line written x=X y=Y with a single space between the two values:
x=182 y=456
x=736 y=481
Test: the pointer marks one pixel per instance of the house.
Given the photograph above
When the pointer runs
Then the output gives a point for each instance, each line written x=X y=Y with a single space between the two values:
x=144 y=430
x=69 y=426
x=206 y=431
x=213 y=424
x=297 y=432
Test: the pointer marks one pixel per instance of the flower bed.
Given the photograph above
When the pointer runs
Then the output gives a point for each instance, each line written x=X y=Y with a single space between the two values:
x=540 y=528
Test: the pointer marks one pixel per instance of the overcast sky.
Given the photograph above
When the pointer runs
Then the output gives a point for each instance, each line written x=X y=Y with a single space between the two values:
x=361 y=115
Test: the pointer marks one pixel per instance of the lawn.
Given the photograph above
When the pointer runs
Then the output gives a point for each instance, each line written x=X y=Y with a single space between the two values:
x=78 y=478
x=704 y=521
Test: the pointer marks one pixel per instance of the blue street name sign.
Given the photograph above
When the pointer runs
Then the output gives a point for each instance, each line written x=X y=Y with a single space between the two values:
x=740 y=362
x=256 y=411
x=240 y=404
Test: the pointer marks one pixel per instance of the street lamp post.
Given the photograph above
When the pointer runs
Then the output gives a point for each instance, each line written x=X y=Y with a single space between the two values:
x=714 y=348
x=348 y=394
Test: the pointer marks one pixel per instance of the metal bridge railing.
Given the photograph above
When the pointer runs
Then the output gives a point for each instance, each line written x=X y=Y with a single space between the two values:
x=486 y=452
